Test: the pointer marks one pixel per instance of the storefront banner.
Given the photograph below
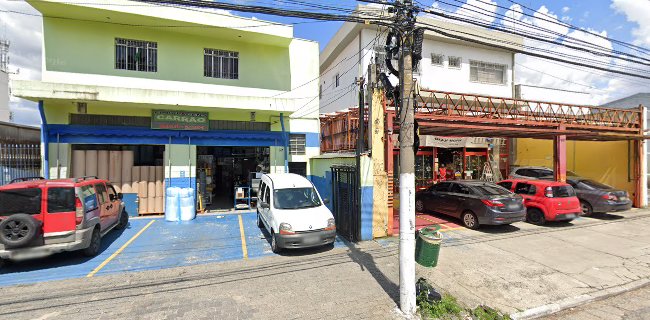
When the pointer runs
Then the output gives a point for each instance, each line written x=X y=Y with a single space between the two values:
x=180 y=120
x=454 y=142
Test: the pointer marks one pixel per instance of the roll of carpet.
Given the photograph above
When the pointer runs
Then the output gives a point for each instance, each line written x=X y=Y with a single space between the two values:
x=151 y=205
x=144 y=177
x=91 y=163
x=142 y=205
x=102 y=164
x=127 y=166
x=159 y=205
x=126 y=187
x=115 y=167
x=159 y=182
x=135 y=176
x=151 y=182
x=78 y=163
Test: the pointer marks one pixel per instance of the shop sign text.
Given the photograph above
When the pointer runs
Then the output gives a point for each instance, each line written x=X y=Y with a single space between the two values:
x=180 y=120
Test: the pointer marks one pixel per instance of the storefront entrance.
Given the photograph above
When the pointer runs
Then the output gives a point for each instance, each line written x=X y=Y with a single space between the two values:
x=224 y=173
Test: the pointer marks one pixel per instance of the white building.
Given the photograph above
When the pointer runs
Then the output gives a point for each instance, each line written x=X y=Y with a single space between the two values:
x=448 y=64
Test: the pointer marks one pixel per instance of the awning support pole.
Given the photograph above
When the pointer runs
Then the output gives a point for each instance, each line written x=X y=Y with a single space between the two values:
x=286 y=144
x=559 y=156
x=44 y=141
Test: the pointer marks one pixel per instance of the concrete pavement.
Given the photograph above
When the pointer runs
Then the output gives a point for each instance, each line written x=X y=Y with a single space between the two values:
x=632 y=305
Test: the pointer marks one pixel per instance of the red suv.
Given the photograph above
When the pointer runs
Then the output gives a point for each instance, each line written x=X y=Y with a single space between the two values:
x=40 y=217
x=546 y=200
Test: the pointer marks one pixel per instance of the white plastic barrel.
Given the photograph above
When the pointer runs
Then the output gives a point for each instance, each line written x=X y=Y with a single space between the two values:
x=187 y=204
x=172 y=211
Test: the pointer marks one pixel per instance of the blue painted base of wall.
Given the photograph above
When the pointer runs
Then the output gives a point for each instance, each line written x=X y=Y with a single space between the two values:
x=324 y=186
x=180 y=183
x=131 y=204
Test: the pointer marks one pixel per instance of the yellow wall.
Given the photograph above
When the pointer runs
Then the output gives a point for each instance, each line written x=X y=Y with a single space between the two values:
x=606 y=162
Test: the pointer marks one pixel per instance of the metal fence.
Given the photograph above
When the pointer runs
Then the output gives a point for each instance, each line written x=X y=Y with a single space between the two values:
x=19 y=161
x=346 y=201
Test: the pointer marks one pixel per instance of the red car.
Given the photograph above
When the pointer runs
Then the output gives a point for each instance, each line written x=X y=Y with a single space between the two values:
x=546 y=200
x=40 y=217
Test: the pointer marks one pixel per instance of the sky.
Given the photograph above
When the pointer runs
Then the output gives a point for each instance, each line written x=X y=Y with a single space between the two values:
x=623 y=20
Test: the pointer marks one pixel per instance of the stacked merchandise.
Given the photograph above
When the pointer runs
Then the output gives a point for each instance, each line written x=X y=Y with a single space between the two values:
x=204 y=172
x=117 y=167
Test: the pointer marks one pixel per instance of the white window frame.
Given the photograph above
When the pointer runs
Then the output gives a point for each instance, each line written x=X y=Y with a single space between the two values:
x=442 y=59
x=297 y=144
x=460 y=62
x=220 y=64
x=486 y=67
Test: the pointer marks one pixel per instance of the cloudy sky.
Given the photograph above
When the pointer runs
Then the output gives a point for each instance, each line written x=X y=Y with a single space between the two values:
x=623 y=20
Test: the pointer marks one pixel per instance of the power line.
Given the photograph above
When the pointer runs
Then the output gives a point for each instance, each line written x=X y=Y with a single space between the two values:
x=559 y=78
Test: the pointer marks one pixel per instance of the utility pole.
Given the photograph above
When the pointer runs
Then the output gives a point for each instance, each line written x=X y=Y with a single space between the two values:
x=407 y=297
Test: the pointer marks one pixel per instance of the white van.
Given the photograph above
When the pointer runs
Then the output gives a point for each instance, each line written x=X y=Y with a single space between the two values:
x=292 y=211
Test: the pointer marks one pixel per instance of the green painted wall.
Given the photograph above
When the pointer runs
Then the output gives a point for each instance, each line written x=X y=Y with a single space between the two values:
x=89 y=47
x=58 y=112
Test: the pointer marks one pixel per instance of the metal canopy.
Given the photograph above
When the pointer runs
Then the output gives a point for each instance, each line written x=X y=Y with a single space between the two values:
x=457 y=114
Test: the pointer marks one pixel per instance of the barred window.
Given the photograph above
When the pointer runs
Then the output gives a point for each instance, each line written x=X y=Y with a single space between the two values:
x=455 y=62
x=485 y=72
x=220 y=64
x=436 y=59
x=297 y=144
x=136 y=55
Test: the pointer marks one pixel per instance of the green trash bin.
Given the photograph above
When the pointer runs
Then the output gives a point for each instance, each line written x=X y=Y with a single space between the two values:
x=427 y=246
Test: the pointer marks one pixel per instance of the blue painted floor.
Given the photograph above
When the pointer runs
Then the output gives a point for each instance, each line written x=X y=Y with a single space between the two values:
x=164 y=244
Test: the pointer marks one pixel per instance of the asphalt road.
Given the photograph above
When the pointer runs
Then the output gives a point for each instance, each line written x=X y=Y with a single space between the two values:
x=632 y=305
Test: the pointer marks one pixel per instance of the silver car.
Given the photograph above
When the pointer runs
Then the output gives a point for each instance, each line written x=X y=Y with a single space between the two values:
x=535 y=173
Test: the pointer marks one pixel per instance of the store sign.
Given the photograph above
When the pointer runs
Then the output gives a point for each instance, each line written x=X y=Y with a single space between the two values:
x=454 y=142
x=179 y=120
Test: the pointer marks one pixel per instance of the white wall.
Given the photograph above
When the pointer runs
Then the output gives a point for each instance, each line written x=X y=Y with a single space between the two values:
x=4 y=96
x=440 y=78
x=552 y=95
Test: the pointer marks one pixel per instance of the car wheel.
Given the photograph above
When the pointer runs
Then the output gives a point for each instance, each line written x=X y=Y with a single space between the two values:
x=124 y=220
x=95 y=244
x=535 y=216
x=469 y=220
x=587 y=210
x=274 y=244
x=19 y=230
x=419 y=206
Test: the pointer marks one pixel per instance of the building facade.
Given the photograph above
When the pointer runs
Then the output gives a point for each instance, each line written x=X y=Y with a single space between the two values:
x=206 y=95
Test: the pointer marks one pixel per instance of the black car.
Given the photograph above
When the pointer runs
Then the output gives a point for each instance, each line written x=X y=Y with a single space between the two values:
x=598 y=197
x=474 y=202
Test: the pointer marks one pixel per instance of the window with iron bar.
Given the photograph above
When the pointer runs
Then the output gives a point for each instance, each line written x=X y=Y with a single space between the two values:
x=486 y=72
x=136 y=55
x=297 y=143
x=220 y=64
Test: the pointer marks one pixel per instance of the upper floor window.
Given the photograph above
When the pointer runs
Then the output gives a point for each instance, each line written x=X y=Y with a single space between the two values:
x=485 y=72
x=220 y=64
x=436 y=59
x=136 y=55
x=337 y=77
x=297 y=143
x=454 y=62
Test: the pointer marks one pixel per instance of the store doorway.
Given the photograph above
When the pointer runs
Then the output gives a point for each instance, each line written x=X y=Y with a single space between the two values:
x=450 y=163
x=223 y=173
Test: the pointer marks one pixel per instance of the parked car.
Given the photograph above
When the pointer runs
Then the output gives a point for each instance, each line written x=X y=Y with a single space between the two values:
x=541 y=173
x=474 y=202
x=546 y=200
x=598 y=197
x=39 y=217
x=292 y=211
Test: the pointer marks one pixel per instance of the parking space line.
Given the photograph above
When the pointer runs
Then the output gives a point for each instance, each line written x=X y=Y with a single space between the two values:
x=244 y=247
x=103 y=264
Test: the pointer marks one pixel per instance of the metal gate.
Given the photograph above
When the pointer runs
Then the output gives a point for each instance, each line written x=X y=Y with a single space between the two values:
x=19 y=161
x=345 y=201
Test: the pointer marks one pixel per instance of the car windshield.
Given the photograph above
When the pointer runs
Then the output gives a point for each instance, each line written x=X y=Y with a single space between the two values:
x=591 y=184
x=20 y=201
x=490 y=190
x=295 y=198
x=563 y=192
